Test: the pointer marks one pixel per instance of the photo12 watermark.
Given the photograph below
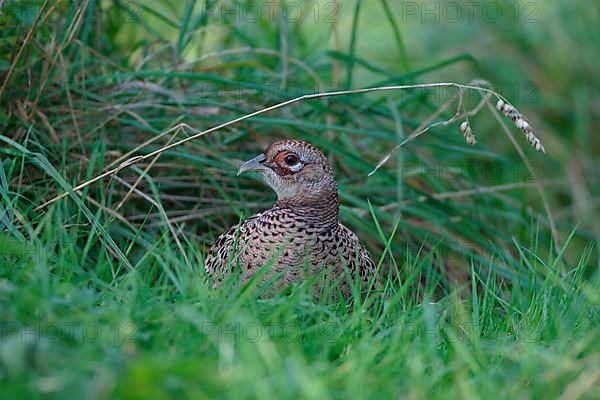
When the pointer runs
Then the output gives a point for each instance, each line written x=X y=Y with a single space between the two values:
x=438 y=332
x=273 y=11
x=451 y=12
x=473 y=172
x=53 y=332
x=130 y=12
x=27 y=11
x=95 y=93
x=325 y=332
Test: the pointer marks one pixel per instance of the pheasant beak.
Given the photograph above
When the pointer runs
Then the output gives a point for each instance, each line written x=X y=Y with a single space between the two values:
x=256 y=164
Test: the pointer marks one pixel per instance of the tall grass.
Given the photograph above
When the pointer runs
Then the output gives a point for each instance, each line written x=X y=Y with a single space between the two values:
x=103 y=293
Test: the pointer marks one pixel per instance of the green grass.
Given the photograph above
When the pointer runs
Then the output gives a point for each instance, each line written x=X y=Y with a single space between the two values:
x=99 y=300
x=78 y=333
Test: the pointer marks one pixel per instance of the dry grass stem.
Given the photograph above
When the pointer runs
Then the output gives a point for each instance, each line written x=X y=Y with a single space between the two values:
x=428 y=124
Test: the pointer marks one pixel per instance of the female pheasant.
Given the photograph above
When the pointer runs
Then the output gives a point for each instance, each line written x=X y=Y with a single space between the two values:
x=300 y=233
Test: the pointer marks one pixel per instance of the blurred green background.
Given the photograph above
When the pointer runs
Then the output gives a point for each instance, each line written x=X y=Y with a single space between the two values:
x=465 y=233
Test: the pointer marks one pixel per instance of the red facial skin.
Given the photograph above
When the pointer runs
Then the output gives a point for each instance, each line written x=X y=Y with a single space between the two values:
x=279 y=165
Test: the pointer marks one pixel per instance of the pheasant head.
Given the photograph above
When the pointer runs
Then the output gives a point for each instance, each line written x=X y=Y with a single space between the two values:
x=299 y=173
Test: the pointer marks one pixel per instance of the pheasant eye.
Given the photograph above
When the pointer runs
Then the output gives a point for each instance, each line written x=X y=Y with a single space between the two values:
x=291 y=159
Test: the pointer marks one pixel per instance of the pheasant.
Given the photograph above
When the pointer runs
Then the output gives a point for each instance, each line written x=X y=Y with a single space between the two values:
x=300 y=233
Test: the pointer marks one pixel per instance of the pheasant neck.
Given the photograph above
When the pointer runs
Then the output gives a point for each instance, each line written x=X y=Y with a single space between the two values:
x=320 y=209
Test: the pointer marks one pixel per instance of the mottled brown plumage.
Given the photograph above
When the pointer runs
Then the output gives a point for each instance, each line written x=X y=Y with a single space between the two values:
x=300 y=233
